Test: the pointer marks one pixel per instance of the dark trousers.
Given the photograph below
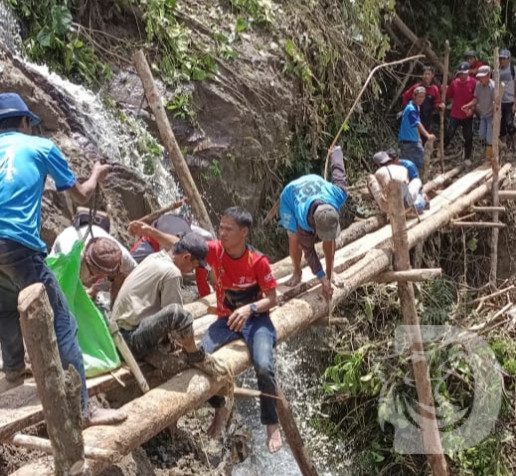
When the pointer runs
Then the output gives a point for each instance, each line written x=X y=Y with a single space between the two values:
x=260 y=337
x=467 y=133
x=20 y=267
x=172 y=319
x=506 y=127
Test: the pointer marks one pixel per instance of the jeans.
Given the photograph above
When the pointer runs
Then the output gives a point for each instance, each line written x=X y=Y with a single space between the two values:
x=506 y=127
x=260 y=337
x=414 y=152
x=145 y=338
x=485 y=130
x=20 y=267
x=467 y=133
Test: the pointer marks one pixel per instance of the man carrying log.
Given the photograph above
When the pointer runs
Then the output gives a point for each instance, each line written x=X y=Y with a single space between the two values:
x=483 y=104
x=148 y=309
x=103 y=258
x=432 y=101
x=25 y=162
x=309 y=210
x=412 y=130
x=246 y=291
x=403 y=171
x=461 y=91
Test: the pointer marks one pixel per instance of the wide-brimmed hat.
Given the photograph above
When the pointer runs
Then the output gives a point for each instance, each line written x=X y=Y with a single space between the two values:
x=327 y=224
x=12 y=105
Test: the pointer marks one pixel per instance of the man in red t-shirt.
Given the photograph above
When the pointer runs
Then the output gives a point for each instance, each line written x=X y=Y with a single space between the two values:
x=432 y=101
x=246 y=291
x=461 y=91
x=474 y=63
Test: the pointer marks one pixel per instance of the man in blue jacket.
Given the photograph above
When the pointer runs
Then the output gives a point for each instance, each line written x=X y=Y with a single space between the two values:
x=412 y=130
x=25 y=163
x=309 y=210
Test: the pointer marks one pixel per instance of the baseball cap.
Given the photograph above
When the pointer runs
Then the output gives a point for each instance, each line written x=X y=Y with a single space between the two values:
x=419 y=90
x=12 y=105
x=381 y=158
x=103 y=254
x=194 y=244
x=327 y=224
x=483 y=71
x=463 y=68
x=506 y=54
x=470 y=54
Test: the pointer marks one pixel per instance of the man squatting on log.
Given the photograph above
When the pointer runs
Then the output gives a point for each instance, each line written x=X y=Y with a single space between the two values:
x=390 y=167
x=246 y=291
x=25 y=162
x=148 y=309
x=309 y=209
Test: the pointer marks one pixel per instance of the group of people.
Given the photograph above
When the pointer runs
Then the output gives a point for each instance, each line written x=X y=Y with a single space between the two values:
x=471 y=92
x=145 y=283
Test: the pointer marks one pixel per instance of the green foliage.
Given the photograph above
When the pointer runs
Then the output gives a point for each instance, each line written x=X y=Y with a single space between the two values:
x=505 y=351
x=483 y=460
x=214 y=170
x=181 y=105
x=53 y=40
x=257 y=12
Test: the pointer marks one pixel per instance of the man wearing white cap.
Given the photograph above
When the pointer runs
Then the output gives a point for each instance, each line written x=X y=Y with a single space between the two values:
x=309 y=209
x=483 y=102
x=507 y=75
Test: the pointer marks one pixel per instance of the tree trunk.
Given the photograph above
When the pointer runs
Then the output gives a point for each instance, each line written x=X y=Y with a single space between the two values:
x=169 y=141
x=61 y=405
x=428 y=421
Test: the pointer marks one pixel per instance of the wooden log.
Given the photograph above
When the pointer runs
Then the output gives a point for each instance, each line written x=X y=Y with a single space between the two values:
x=169 y=141
x=151 y=217
x=507 y=194
x=241 y=392
x=476 y=224
x=410 y=275
x=413 y=38
x=442 y=112
x=495 y=163
x=37 y=323
x=489 y=209
x=293 y=436
x=441 y=179
x=44 y=445
x=159 y=408
x=428 y=420
x=429 y=150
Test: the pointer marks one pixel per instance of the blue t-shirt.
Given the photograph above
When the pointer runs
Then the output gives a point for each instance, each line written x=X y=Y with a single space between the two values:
x=25 y=162
x=409 y=122
x=298 y=196
x=411 y=168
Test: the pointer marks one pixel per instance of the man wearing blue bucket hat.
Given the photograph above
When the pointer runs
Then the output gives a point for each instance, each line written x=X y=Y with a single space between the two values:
x=25 y=162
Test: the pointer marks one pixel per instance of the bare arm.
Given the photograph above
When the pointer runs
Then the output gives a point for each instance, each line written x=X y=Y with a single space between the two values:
x=422 y=131
x=165 y=240
x=82 y=192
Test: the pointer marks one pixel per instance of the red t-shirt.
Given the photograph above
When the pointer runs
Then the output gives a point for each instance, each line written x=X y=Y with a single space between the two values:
x=431 y=90
x=461 y=92
x=251 y=269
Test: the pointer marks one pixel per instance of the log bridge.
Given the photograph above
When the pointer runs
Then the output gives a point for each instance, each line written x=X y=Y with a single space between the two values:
x=365 y=254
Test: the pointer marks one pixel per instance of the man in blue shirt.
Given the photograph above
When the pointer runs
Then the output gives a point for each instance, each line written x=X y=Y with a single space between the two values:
x=25 y=163
x=412 y=129
x=309 y=209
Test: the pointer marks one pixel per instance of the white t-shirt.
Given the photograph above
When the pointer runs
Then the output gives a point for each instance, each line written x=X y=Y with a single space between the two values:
x=154 y=284
x=69 y=236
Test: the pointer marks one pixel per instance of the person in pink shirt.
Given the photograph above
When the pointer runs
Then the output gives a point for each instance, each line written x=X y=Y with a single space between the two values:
x=461 y=91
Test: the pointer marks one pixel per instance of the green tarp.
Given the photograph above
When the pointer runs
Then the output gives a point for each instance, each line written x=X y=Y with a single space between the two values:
x=98 y=349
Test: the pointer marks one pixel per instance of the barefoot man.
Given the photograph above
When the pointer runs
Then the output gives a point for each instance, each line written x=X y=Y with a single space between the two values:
x=309 y=210
x=246 y=291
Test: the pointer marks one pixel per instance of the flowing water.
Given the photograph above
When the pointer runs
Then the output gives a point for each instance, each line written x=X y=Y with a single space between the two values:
x=300 y=362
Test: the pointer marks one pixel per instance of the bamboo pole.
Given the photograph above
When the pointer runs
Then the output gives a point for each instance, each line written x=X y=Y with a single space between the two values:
x=61 y=406
x=427 y=421
x=477 y=224
x=344 y=124
x=159 y=408
x=169 y=140
x=495 y=163
x=44 y=445
x=293 y=436
x=442 y=112
x=151 y=217
x=410 y=275
x=507 y=195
